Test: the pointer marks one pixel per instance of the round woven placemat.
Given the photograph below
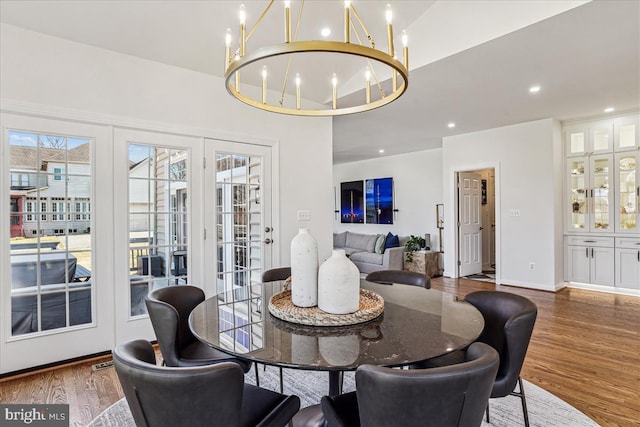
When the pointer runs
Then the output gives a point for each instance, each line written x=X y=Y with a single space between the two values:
x=281 y=306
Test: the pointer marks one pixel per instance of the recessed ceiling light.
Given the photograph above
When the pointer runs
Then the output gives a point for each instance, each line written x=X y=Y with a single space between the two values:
x=451 y=125
x=534 y=89
x=326 y=32
x=609 y=110
x=381 y=151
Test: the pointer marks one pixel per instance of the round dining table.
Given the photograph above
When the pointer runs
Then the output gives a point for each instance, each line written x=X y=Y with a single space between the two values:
x=416 y=324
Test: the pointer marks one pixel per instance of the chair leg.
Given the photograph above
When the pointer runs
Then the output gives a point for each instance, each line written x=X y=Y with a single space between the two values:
x=281 y=382
x=524 y=402
x=487 y=411
x=257 y=376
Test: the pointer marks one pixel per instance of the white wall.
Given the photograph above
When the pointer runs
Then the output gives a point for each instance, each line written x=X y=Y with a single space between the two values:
x=46 y=71
x=417 y=181
x=528 y=162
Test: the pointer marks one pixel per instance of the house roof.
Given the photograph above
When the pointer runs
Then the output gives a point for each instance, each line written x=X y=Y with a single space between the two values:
x=24 y=157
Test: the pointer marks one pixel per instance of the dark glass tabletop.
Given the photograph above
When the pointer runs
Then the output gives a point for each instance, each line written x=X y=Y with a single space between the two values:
x=417 y=324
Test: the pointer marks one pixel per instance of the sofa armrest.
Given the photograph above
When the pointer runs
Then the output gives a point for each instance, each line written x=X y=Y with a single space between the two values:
x=393 y=258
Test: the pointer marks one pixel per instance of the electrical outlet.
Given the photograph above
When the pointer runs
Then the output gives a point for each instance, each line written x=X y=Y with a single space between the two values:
x=532 y=266
x=304 y=215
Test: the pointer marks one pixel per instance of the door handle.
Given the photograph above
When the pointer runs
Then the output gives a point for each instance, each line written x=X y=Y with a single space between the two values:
x=268 y=229
x=586 y=252
x=591 y=252
x=268 y=241
x=481 y=228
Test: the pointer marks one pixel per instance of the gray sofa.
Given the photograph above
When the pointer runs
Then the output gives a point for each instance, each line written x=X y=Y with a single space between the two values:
x=360 y=248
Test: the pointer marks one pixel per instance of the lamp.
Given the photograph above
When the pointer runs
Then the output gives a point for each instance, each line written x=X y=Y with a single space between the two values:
x=369 y=61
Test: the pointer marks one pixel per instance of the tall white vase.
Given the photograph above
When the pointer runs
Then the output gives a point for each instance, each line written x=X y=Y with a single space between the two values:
x=338 y=284
x=304 y=269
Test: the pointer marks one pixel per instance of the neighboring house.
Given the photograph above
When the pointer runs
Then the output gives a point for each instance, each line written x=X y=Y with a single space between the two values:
x=41 y=182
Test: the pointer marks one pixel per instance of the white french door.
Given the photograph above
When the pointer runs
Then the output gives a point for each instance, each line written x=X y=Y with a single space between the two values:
x=470 y=223
x=239 y=233
x=156 y=220
x=54 y=304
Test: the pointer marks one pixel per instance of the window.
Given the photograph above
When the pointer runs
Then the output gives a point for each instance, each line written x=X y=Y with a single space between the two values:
x=57 y=174
x=50 y=264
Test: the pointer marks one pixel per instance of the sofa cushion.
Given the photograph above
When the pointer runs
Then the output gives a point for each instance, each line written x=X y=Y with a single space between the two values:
x=339 y=239
x=363 y=242
x=380 y=243
x=392 y=241
x=350 y=251
x=368 y=257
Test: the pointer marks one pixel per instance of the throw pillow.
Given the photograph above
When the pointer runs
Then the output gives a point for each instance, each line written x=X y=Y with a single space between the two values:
x=380 y=243
x=392 y=241
x=339 y=239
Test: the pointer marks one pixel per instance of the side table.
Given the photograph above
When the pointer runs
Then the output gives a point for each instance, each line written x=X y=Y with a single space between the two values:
x=426 y=262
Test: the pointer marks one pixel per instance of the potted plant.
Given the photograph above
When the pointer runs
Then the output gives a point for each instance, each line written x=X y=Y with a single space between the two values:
x=415 y=243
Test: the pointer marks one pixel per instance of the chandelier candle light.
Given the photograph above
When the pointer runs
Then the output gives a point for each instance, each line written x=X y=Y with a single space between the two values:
x=305 y=52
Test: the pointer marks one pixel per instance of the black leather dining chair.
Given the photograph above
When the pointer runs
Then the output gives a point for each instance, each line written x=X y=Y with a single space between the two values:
x=273 y=275
x=448 y=396
x=508 y=325
x=387 y=277
x=169 y=310
x=195 y=396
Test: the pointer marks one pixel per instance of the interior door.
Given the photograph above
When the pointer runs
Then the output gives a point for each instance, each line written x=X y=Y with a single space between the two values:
x=239 y=231
x=55 y=276
x=469 y=223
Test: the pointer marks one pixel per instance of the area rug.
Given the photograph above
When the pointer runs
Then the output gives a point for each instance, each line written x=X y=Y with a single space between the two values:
x=545 y=410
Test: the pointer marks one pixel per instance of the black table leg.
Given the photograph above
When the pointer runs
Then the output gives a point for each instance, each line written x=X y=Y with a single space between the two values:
x=334 y=383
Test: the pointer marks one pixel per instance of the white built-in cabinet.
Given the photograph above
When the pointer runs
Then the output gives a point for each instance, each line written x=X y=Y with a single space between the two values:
x=602 y=195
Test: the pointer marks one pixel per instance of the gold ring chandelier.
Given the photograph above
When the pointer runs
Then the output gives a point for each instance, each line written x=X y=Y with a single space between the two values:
x=241 y=58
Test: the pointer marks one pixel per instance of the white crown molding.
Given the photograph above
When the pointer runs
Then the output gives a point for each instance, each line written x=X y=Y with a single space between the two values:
x=63 y=113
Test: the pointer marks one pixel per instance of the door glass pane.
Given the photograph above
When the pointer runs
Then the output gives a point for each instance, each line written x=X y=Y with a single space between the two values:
x=627 y=136
x=158 y=220
x=238 y=222
x=601 y=193
x=600 y=140
x=577 y=142
x=628 y=197
x=578 y=195
x=50 y=232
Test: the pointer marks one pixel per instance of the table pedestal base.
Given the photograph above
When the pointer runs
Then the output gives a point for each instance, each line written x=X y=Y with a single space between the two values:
x=311 y=416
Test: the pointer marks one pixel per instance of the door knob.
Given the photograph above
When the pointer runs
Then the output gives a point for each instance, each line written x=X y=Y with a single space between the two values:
x=268 y=241
x=268 y=229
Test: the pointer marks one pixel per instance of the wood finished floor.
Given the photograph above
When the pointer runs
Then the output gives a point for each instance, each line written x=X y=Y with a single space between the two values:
x=585 y=349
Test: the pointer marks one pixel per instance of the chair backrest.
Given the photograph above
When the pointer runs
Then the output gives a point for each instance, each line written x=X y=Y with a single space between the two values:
x=387 y=277
x=454 y=395
x=169 y=310
x=281 y=273
x=508 y=325
x=168 y=396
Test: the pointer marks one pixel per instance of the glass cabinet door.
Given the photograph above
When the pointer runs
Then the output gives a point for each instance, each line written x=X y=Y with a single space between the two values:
x=626 y=135
x=628 y=191
x=600 y=194
x=577 y=194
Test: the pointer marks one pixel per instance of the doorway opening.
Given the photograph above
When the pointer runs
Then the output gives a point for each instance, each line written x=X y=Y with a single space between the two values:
x=476 y=218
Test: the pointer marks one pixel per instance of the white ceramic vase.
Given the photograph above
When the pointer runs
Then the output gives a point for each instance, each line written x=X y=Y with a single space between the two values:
x=304 y=269
x=338 y=284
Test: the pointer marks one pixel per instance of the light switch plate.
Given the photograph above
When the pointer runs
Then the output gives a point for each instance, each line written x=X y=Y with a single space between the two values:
x=304 y=215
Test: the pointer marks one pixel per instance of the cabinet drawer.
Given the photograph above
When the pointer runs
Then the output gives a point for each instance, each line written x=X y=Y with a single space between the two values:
x=591 y=241
x=621 y=242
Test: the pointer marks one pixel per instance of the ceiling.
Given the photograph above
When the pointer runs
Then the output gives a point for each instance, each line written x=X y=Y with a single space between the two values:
x=585 y=59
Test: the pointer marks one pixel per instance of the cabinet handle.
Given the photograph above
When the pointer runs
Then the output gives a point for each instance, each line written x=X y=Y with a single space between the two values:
x=592 y=193
x=586 y=250
x=590 y=241
x=638 y=256
x=591 y=252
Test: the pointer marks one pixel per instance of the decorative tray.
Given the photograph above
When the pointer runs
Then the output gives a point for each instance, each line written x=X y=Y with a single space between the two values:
x=281 y=306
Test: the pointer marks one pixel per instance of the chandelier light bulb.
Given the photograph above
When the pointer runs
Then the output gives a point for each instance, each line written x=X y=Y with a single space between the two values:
x=297 y=79
x=405 y=38
x=287 y=4
x=334 y=80
x=389 y=14
x=264 y=72
x=227 y=38
x=243 y=15
x=367 y=75
x=347 y=3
